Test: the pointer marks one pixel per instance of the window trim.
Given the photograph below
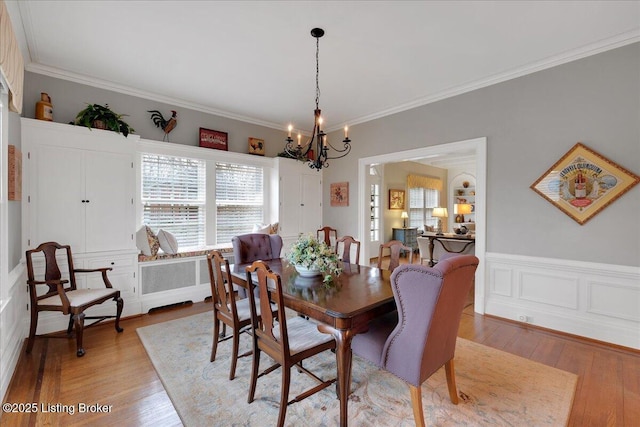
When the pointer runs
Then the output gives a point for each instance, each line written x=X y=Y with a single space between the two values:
x=211 y=157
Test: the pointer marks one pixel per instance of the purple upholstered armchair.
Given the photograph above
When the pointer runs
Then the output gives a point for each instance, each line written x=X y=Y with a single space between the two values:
x=256 y=246
x=252 y=247
x=422 y=337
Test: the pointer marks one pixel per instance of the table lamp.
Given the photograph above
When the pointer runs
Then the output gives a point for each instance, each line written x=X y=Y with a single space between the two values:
x=439 y=213
x=404 y=217
x=460 y=209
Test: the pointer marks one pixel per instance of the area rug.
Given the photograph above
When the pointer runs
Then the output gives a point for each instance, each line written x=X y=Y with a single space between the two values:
x=496 y=388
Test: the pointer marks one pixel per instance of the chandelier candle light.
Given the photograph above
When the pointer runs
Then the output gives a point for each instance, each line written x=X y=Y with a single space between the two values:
x=318 y=141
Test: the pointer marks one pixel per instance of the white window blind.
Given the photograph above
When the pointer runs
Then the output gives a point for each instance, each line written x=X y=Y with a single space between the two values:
x=421 y=204
x=239 y=199
x=174 y=197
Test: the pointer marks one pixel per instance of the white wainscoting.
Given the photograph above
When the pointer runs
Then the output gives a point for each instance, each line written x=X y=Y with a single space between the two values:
x=14 y=319
x=598 y=301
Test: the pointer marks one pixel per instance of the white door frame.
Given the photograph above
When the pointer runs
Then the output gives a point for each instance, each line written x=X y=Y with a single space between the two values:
x=479 y=145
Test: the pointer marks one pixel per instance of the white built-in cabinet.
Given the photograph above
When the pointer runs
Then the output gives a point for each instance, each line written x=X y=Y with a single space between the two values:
x=299 y=199
x=82 y=197
x=79 y=187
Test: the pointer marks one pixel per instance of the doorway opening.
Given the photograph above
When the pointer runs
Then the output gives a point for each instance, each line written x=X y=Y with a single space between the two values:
x=476 y=147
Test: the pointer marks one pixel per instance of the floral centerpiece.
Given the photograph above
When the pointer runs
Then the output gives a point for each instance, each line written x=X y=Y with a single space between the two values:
x=312 y=257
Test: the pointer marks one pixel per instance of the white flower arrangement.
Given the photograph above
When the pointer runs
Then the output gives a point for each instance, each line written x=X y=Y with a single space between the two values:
x=312 y=254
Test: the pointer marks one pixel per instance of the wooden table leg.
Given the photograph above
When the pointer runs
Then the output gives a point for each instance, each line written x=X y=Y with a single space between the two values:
x=431 y=246
x=343 y=361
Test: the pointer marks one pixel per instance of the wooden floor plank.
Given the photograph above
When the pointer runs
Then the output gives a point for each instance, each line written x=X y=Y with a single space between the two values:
x=116 y=367
x=631 y=387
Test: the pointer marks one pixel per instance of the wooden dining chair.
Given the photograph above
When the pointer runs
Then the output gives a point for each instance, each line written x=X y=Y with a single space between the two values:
x=345 y=255
x=67 y=299
x=418 y=340
x=287 y=341
x=396 y=247
x=226 y=310
x=327 y=233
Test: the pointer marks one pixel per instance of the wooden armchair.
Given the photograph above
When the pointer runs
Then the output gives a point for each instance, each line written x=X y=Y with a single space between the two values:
x=69 y=300
x=396 y=247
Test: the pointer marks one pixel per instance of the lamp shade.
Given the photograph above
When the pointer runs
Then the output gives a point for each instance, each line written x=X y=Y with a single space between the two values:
x=404 y=215
x=439 y=212
x=462 y=208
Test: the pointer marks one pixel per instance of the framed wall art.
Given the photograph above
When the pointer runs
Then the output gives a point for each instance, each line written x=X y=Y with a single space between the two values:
x=340 y=194
x=583 y=183
x=396 y=199
x=256 y=146
x=15 y=174
x=214 y=139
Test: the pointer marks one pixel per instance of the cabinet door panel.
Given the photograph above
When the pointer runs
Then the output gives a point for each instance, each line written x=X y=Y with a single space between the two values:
x=121 y=277
x=57 y=205
x=109 y=183
x=311 y=211
x=290 y=205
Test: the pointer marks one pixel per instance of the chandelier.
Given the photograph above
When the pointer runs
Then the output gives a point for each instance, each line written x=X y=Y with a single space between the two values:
x=316 y=150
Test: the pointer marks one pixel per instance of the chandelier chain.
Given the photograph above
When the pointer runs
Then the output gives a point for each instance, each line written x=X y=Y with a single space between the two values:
x=317 y=72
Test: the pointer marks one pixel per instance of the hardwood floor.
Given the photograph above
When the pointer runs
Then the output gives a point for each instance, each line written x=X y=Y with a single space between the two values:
x=117 y=372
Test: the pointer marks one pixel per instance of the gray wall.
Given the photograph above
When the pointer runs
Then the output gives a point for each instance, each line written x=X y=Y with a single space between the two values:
x=530 y=122
x=14 y=210
x=69 y=98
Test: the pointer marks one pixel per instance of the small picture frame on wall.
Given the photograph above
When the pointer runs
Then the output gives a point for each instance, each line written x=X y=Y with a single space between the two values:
x=15 y=174
x=214 y=139
x=396 y=199
x=256 y=146
x=340 y=194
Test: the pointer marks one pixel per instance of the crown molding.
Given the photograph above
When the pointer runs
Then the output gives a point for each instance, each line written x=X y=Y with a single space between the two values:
x=114 y=87
x=553 y=61
x=550 y=62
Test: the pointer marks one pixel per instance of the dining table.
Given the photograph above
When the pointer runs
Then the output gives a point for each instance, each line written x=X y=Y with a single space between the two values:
x=343 y=307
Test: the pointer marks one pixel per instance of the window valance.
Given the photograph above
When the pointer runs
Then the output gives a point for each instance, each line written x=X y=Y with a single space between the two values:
x=421 y=181
x=11 y=62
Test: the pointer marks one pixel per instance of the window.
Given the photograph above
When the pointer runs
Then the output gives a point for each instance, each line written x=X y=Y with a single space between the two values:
x=374 y=187
x=173 y=197
x=421 y=203
x=239 y=199
x=375 y=212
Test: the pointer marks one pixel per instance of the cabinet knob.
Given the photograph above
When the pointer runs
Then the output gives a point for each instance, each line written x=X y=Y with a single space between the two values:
x=113 y=263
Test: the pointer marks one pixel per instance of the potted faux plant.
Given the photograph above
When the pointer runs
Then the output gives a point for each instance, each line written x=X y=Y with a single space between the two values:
x=312 y=257
x=102 y=117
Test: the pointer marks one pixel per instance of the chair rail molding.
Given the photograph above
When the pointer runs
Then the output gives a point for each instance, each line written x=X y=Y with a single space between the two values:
x=593 y=300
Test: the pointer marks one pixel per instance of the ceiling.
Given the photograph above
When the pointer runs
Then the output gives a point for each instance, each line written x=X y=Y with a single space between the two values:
x=255 y=61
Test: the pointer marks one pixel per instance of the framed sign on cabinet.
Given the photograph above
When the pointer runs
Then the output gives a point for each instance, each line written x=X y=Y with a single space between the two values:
x=214 y=139
x=256 y=146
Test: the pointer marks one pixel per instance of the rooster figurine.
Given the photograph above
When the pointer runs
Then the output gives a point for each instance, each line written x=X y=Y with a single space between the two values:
x=166 y=125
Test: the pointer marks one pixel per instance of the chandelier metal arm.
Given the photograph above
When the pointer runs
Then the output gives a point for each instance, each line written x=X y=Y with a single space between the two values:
x=318 y=138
